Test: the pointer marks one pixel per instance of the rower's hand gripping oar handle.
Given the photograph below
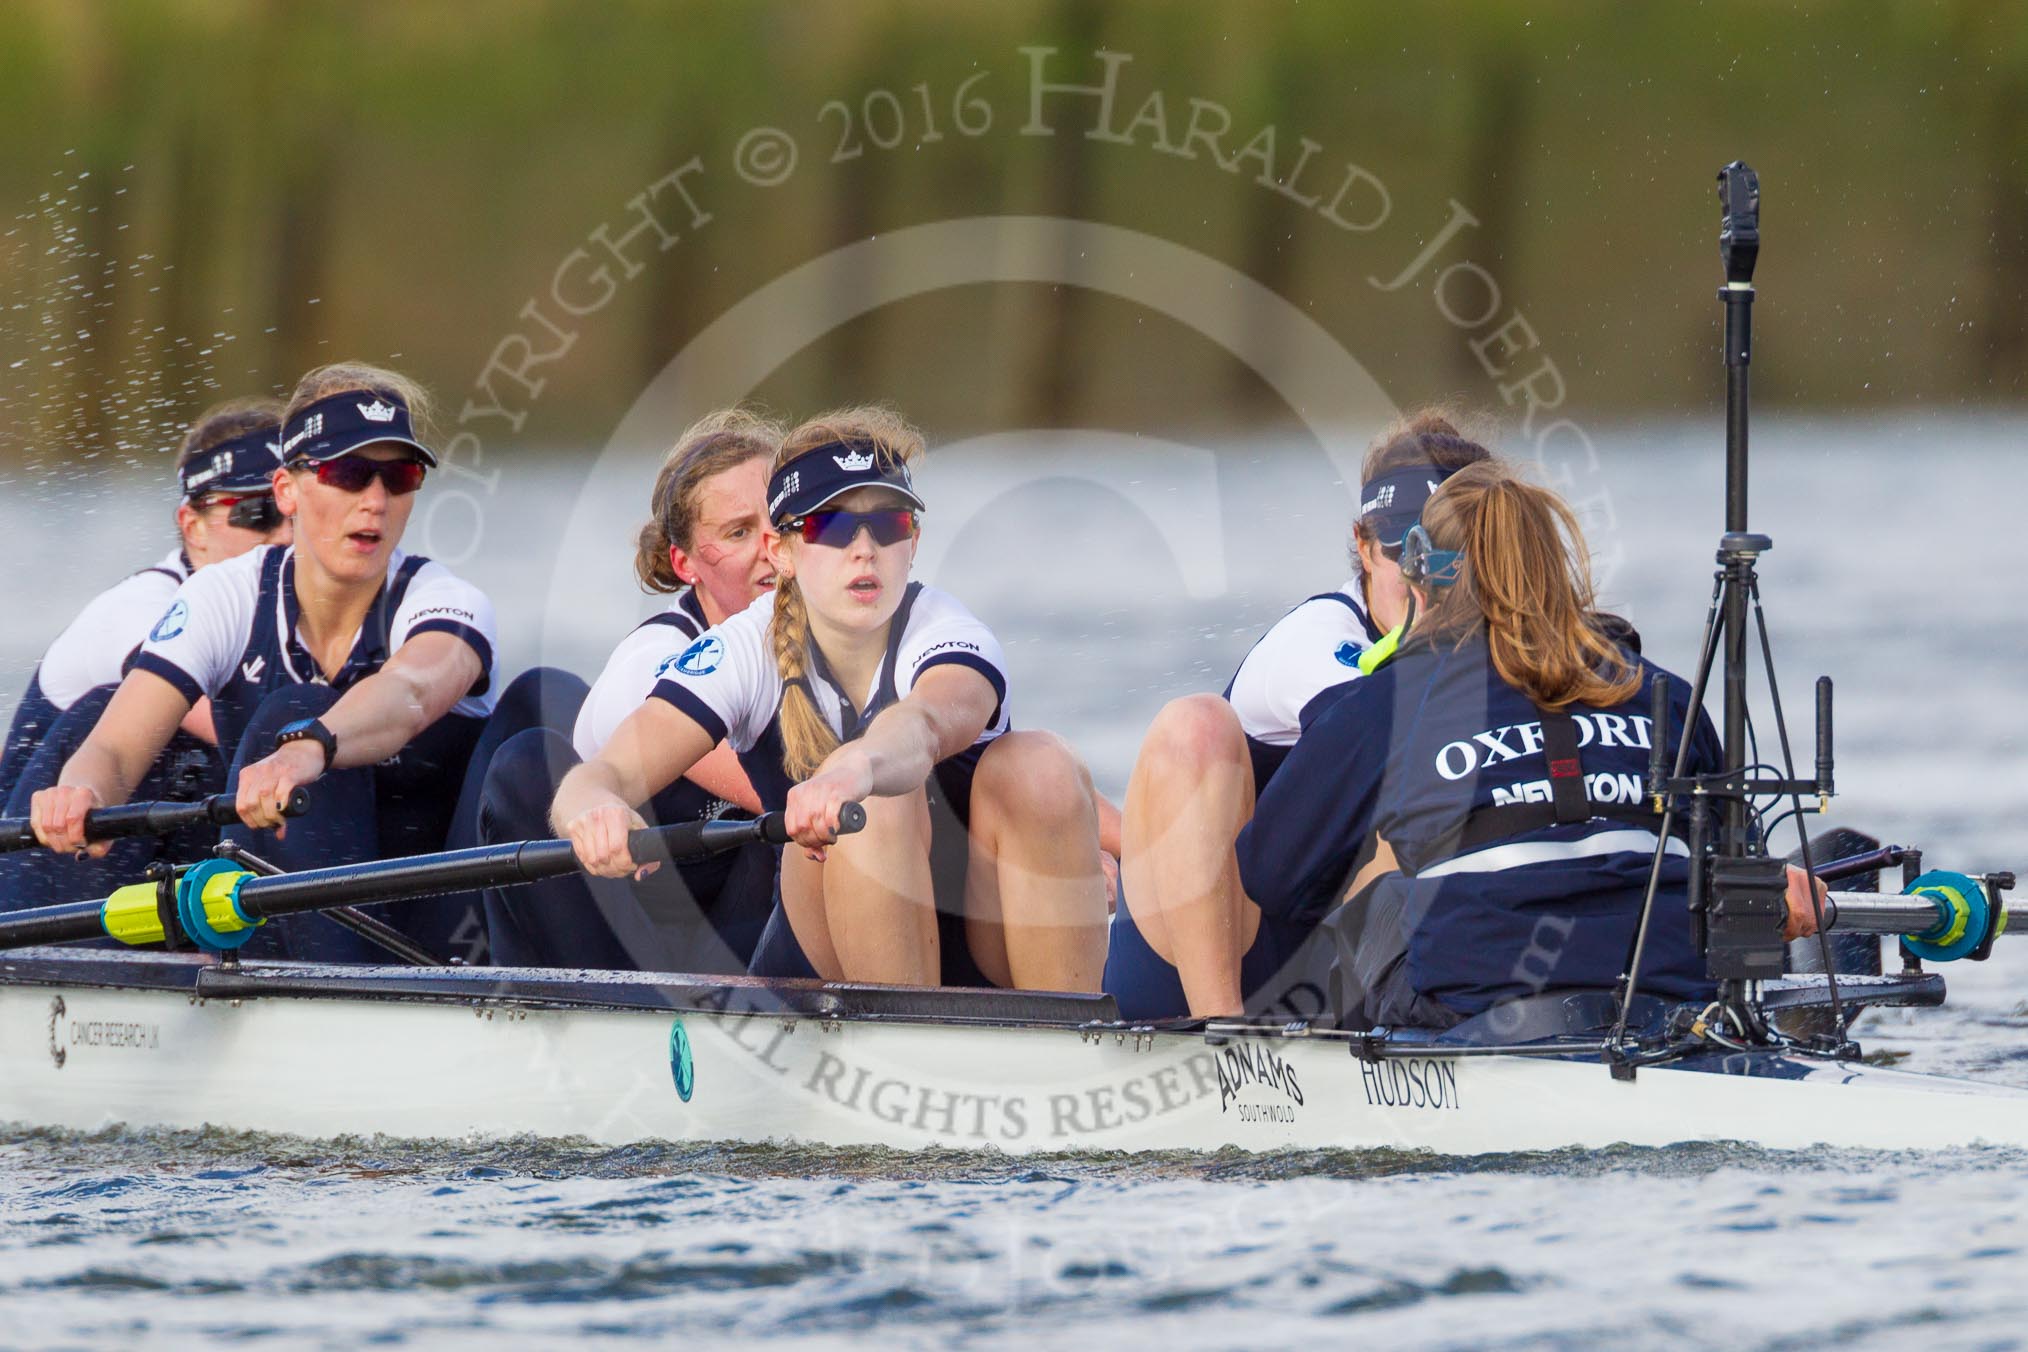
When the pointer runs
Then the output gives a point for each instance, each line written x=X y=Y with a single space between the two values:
x=146 y=819
x=692 y=838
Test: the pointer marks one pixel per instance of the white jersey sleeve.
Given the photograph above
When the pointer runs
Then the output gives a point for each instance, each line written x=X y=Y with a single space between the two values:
x=942 y=631
x=94 y=650
x=196 y=643
x=726 y=678
x=438 y=601
x=1311 y=649
x=629 y=678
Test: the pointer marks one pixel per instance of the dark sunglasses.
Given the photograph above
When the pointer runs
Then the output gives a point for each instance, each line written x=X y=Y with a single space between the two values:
x=251 y=511
x=837 y=529
x=352 y=473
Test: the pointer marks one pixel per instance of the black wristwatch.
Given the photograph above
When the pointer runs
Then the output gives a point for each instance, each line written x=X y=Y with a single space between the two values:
x=310 y=730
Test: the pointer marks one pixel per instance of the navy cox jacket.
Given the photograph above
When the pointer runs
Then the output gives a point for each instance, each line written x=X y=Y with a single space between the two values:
x=1408 y=753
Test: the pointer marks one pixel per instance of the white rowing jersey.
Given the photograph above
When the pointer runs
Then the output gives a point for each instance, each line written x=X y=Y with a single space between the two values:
x=95 y=649
x=231 y=632
x=1305 y=656
x=91 y=653
x=728 y=682
x=631 y=672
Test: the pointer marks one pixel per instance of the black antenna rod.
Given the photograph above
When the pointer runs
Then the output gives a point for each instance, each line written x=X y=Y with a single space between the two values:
x=1739 y=246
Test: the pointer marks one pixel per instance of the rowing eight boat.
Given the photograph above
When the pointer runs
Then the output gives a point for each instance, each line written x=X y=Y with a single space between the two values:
x=92 y=1039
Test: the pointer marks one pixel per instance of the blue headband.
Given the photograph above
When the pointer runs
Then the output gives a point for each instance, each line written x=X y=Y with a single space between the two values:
x=340 y=423
x=242 y=464
x=1391 y=502
x=830 y=471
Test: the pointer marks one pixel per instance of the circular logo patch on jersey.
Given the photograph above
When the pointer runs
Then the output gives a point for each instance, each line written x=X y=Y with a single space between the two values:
x=1348 y=653
x=702 y=657
x=171 y=624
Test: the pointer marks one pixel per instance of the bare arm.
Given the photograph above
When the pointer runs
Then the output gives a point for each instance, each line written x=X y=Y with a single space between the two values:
x=943 y=713
x=373 y=720
x=198 y=723
x=721 y=775
x=1109 y=823
x=137 y=723
x=594 y=805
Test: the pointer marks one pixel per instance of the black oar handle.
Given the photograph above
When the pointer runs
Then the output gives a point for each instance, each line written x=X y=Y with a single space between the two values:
x=146 y=819
x=769 y=827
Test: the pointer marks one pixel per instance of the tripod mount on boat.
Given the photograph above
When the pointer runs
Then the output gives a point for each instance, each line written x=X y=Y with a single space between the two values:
x=1737 y=891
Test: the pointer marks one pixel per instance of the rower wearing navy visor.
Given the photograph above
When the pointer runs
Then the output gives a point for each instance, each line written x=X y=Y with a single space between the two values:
x=1187 y=939
x=339 y=662
x=979 y=862
x=1501 y=754
x=224 y=473
x=703 y=547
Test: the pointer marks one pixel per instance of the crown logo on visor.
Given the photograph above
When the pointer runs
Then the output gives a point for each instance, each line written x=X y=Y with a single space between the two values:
x=853 y=461
x=379 y=411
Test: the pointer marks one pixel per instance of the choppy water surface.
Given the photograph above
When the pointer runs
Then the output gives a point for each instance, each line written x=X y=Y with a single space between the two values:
x=159 y=1238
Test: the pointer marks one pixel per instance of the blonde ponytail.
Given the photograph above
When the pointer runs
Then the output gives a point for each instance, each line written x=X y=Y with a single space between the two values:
x=807 y=737
x=1526 y=579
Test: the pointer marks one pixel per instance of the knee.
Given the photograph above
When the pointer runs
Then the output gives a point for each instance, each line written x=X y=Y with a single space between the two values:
x=1192 y=736
x=902 y=820
x=1037 y=779
x=519 y=783
x=545 y=697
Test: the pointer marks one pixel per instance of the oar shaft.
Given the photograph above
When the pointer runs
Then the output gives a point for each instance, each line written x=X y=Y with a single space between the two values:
x=1874 y=913
x=260 y=898
x=482 y=866
x=60 y=924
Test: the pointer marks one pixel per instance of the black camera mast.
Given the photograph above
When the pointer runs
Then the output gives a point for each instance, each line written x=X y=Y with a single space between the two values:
x=1737 y=893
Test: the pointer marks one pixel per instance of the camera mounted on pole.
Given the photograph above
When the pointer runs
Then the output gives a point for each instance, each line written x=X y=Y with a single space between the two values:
x=1737 y=891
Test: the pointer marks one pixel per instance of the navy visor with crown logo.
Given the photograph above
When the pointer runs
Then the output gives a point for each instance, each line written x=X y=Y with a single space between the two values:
x=244 y=464
x=829 y=472
x=341 y=423
x=1391 y=502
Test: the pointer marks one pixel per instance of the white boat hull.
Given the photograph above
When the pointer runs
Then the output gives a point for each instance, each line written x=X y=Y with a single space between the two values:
x=87 y=1057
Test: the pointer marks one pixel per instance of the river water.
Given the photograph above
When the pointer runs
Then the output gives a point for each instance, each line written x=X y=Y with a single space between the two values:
x=1121 y=572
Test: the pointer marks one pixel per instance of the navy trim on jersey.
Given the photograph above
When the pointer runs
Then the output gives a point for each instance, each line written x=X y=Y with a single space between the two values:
x=689 y=605
x=700 y=713
x=885 y=693
x=976 y=663
x=1265 y=757
x=369 y=651
x=1373 y=632
x=473 y=637
x=186 y=685
x=688 y=616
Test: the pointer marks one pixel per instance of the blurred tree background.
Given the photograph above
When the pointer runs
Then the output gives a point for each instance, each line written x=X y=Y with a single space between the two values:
x=206 y=197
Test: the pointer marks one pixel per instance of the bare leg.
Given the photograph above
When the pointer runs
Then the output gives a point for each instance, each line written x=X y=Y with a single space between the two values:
x=1035 y=898
x=1191 y=791
x=866 y=913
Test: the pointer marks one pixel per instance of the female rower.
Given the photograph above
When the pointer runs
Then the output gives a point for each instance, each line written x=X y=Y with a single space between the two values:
x=1188 y=940
x=339 y=662
x=702 y=545
x=850 y=683
x=224 y=473
x=1501 y=754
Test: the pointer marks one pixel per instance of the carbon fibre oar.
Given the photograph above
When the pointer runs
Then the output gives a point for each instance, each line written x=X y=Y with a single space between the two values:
x=217 y=904
x=145 y=819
